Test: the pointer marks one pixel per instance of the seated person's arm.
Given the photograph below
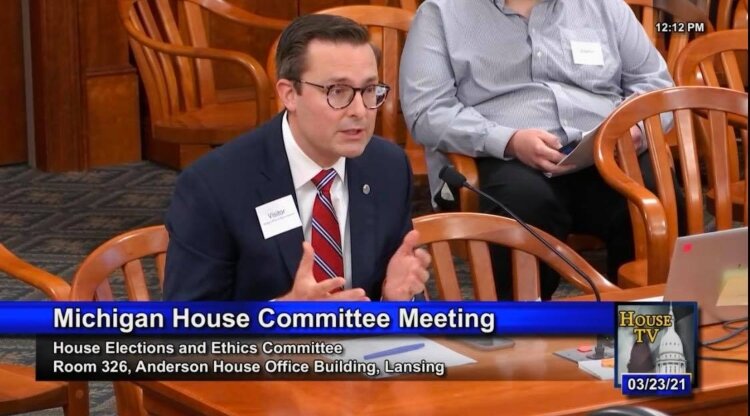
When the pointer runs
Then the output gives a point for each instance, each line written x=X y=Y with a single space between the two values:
x=440 y=121
x=643 y=68
x=433 y=113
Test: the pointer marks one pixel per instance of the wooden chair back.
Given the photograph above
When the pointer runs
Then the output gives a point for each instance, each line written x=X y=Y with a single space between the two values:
x=654 y=217
x=19 y=390
x=731 y=14
x=701 y=56
x=123 y=252
x=388 y=27
x=477 y=231
x=175 y=79
x=653 y=12
x=188 y=115
x=712 y=60
x=91 y=282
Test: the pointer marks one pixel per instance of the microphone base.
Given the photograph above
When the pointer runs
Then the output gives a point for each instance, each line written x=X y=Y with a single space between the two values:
x=601 y=352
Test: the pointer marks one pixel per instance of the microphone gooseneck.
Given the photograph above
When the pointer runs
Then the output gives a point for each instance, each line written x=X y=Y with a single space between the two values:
x=455 y=179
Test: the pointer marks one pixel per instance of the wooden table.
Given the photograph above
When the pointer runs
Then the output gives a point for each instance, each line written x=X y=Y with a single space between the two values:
x=723 y=388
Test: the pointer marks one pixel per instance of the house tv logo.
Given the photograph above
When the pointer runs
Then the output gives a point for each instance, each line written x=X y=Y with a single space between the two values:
x=656 y=347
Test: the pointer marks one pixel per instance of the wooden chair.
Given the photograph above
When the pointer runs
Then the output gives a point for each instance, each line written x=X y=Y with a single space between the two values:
x=477 y=230
x=387 y=27
x=712 y=60
x=410 y=5
x=91 y=282
x=654 y=217
x=19 y=390
x=188 y=114
x=732 y=14
x=651 y=12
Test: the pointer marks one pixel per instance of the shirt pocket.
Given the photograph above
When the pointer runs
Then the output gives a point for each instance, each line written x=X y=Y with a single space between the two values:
x=592 y=77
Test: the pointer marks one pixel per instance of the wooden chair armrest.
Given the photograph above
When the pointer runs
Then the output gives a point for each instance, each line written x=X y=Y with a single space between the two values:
x=53 y=286
x=468 y=167
x=654 y=216
x=241 y=16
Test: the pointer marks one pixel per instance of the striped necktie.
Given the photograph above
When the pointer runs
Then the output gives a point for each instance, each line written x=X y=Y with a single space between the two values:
x=326 y=237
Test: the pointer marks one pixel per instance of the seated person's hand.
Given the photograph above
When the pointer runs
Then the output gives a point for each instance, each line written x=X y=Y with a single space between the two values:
x=538 y=149
x=407 y=270
x=305 y=286
x=635 y=133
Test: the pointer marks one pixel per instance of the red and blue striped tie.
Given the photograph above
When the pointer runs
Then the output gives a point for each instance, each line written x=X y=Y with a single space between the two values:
x=326 y=237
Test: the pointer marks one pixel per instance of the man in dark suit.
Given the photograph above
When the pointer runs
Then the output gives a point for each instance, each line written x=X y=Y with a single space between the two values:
x=310 y=205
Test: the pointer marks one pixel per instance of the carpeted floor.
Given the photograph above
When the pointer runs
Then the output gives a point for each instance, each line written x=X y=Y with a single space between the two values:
x=54 y=220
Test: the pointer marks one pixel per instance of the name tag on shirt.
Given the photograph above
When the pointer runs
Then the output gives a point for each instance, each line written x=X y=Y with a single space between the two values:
x=278 y=216
x=587 y=53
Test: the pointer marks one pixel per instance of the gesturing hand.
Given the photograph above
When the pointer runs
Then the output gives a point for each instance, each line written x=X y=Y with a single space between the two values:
x=305 y=286
x=407 y=270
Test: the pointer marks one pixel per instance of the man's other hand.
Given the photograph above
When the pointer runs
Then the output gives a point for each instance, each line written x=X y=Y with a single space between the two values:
x=407 y=270
x=305 y=286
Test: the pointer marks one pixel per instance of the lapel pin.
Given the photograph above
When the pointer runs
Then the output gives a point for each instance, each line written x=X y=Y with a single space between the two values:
x=366 y=189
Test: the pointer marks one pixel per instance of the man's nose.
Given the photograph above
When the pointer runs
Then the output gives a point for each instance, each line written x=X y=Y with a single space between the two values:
x=357 y=106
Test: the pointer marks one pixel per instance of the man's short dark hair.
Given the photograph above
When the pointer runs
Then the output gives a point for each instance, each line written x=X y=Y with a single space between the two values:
x=292 y=48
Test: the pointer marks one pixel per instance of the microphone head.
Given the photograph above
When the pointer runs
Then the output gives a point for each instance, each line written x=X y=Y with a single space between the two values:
x=452 y=177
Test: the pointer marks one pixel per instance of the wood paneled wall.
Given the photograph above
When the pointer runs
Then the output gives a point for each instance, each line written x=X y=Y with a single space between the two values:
x=85 y=90
x=12 y=95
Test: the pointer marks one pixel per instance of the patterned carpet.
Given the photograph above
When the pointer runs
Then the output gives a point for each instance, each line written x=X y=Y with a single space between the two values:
x=54 y=220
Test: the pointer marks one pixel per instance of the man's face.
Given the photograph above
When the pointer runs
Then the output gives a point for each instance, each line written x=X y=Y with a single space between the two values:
x=325 y=133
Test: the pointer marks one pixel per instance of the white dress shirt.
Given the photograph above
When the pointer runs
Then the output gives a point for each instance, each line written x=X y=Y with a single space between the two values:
x=303 y=171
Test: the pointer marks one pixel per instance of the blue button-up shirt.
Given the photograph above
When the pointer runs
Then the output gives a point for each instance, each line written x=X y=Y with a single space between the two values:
x=473 y=72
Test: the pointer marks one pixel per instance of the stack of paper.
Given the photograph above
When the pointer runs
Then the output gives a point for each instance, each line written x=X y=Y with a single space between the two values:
x=596 y=369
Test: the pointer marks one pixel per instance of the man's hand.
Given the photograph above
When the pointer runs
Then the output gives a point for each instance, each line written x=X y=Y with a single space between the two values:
x=307 y=288
x=635 y=133
x=407 y=270
x=538 y=149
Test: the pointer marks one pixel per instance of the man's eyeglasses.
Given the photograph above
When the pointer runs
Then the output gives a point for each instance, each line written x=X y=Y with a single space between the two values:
x=341 y=95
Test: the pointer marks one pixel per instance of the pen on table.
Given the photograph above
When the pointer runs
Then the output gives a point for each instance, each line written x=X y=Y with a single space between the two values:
x=393 y=351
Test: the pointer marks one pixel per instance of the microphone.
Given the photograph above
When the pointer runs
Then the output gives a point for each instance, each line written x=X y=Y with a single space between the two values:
x=455 y=179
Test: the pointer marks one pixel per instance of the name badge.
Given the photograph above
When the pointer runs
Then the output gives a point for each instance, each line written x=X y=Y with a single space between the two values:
x=278 y=216
x=587 y=53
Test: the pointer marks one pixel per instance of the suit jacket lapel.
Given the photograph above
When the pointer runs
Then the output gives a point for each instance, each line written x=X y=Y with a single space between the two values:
x=361 y=223
x=275 y=167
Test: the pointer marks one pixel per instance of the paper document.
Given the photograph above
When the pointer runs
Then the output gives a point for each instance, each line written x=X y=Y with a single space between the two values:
x=582 y=156
x=653 y=299
x=596 y=369
x=398 y=351
x=734 y=288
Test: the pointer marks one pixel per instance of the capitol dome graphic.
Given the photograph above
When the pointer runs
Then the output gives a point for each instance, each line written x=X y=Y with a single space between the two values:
x=671 y=356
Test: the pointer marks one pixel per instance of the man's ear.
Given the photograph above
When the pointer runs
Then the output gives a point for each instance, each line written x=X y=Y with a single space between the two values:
x=286 y=94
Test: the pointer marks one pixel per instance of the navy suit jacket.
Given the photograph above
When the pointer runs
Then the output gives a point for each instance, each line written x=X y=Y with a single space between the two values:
x=216 y=247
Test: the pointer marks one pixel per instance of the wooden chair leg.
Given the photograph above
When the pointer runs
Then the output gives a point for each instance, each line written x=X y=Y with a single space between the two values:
x=174 y=155
x=78 y=399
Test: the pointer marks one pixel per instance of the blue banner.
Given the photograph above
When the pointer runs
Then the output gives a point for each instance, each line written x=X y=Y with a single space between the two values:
x=308 y=318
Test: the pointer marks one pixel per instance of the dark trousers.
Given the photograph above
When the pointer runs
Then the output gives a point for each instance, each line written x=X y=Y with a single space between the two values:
x=580 y=202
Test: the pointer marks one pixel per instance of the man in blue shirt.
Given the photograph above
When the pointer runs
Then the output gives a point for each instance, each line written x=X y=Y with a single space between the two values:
x=510 y=82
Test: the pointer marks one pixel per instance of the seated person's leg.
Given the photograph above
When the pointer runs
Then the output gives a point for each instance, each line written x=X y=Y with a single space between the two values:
x=527 y=192
x=601 y=211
